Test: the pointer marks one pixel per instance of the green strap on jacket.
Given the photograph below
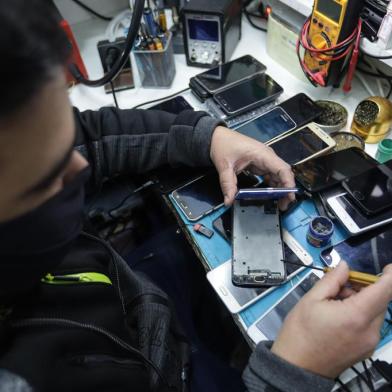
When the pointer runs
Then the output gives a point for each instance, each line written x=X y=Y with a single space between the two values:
x=83 y=277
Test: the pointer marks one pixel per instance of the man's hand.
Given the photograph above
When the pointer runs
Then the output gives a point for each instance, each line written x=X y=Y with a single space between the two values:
x=326 y=335
x=232 y=152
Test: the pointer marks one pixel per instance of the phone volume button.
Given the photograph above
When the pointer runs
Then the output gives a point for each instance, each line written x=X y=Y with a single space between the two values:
x=223 y=290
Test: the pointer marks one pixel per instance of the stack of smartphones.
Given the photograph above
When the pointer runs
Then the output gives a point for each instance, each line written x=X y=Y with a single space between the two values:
x=236 y=87
x=353 y=187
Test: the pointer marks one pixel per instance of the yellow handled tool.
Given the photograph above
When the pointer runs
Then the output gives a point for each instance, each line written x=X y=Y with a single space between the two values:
x=354 y=276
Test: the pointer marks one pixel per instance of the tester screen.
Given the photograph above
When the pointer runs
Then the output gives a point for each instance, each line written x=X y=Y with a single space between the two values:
x=330 y=8
x=203 y=30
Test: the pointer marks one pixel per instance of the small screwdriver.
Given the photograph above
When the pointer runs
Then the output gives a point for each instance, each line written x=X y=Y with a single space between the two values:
x=353 y=276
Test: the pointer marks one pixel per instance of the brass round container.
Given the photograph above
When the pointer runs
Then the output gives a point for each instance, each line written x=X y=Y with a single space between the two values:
x=372 y=119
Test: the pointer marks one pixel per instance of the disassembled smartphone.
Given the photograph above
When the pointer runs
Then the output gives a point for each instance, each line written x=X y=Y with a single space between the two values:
x=257 y=246
x=238 y=298
x=268 y=325
x=303 y=144
x=352 y=218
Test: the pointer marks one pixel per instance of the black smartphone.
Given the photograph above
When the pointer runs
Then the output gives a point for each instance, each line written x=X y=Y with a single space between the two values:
x=203 y=195
x=301 y=109
x=248 y=94
x=268 y=126
x=371 y=190
x=175 y=105
x=302 y=144
x=369 y=252
x=227 y=74
x=326 y=171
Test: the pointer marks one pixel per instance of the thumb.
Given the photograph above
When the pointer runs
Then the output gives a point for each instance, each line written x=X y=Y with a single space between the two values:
x=332 y=283
x=228 y=183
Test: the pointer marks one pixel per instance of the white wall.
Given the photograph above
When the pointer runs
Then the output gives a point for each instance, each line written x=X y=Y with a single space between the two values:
x=75 y=14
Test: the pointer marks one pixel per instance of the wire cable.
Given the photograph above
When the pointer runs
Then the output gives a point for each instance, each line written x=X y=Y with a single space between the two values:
x=91 y=11
x=122 y=60
x=342 y=385
x=161 y=99
x=114 y=95
x=363 y=378
x=368 y=375
x=248 y=16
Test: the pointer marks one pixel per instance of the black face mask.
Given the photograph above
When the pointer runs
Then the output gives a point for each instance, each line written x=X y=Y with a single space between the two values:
x=32 y=244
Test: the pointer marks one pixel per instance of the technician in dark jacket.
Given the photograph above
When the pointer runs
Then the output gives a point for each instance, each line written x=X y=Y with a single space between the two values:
x=74 y=316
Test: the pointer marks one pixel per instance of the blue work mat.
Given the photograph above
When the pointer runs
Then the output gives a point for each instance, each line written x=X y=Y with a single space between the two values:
x=216 y=250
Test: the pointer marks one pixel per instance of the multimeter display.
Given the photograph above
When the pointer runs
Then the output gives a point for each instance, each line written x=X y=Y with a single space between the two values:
x=330 y=9
x=203 y=30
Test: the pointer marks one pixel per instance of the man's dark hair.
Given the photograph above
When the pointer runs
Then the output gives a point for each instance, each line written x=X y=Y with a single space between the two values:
x=32 y=45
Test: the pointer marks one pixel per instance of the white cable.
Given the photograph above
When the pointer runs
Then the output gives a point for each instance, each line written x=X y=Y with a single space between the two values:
x=364 y=83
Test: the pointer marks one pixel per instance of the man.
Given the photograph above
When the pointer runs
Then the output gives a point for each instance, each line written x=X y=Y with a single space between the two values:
x=74 y=316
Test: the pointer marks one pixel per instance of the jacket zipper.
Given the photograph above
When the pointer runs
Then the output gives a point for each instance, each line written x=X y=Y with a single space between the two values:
x=44 y=321
x=84 y=277
x=96 y=359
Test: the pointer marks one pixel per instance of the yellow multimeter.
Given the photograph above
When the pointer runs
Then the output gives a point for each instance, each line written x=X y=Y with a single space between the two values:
x=331 y=22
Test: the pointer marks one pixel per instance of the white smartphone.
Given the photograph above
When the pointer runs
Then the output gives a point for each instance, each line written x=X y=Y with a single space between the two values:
x=269 y=324
x=238 y=298
x=303 y=144
x=352 y=218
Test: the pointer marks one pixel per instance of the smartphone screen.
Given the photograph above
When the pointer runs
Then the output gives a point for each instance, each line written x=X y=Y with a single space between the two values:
x=298 y=145
x=328 y=170
x=271 y=323
x=301 y=109
x=204 y=194
x=229 y=73
x=372 y=190
x=251 y=92
x=369 y=252
x=175 y=105
x=268 y=126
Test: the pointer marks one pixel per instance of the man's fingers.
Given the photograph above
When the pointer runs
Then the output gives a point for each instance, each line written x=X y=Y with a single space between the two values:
x=373 y=300
x=331 y=284
x=228 y=183
x=346 y=292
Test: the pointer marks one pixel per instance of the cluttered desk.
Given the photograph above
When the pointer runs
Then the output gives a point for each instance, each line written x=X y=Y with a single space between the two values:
x=301 y=97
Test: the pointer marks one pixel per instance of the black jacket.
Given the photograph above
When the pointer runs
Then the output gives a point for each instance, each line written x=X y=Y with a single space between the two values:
x=107 y=335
